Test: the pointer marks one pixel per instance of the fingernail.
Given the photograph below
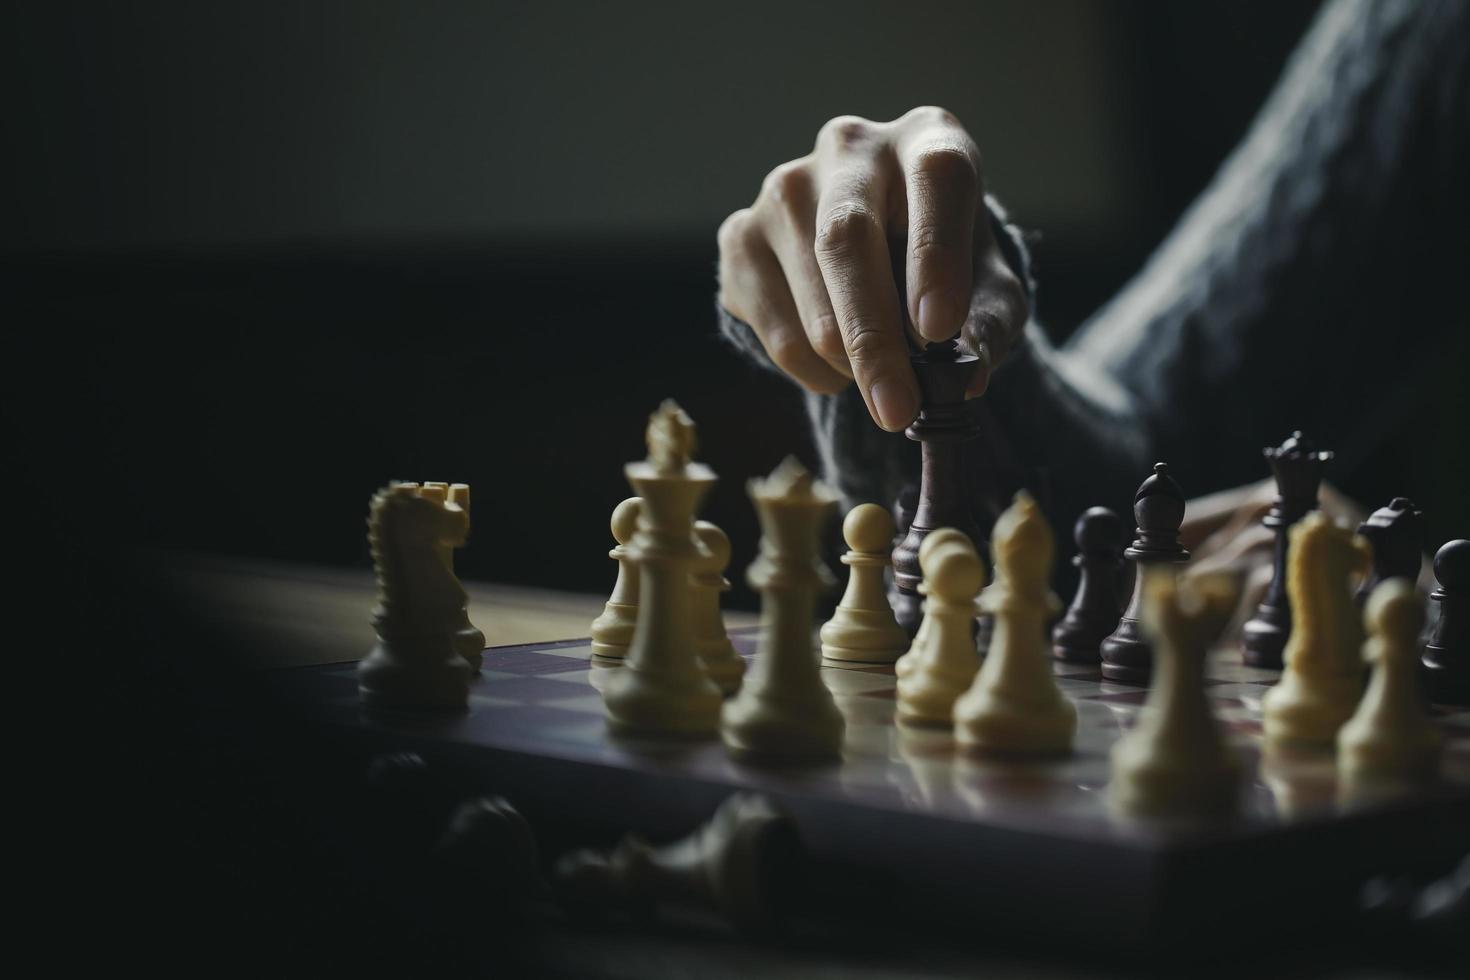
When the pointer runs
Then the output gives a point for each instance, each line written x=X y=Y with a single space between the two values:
x=936 y=317
x=895 y=403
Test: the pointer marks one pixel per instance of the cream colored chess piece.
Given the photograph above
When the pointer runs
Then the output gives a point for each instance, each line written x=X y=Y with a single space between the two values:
x=724 y=666
x=1015 y=707
x=863 y=628
x=662 y=687
x=1324 y=673
x=784 y=711
x=939 y=536
x=612 y=632
x=468 y=639
x=1174 y=762
x=944 y=657
x=1389 y=739
x=415 y=663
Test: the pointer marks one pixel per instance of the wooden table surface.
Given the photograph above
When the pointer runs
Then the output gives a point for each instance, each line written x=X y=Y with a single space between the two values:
x=290 y=615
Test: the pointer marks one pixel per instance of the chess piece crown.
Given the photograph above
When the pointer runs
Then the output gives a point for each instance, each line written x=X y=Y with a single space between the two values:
x=1158 y=510
x=1297 y=466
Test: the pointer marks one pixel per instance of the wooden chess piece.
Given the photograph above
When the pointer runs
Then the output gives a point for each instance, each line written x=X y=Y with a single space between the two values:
x=1158 y=507
x=741 y=865
x=1174 y=762
x=942 y=427
x=1389 y=739
x=1447 y=654
x=942 y=662
x=468 y=639
x=416 y=663
x=612 y=632
x=1323 y=678
x=1014 y=706
x=1097 y=606
x=662 y=687
x=863 y=628
x=938 y=538
x=1297 y=465
x=784 y=712
x=1396 y=533
x=721 y=661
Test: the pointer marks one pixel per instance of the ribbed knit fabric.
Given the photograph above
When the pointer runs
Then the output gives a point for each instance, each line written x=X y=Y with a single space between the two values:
x=1312 y=285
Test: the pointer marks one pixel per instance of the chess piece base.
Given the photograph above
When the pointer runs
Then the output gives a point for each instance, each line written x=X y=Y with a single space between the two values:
x=1264 y=637
x=1126 y=656
x=386 y=681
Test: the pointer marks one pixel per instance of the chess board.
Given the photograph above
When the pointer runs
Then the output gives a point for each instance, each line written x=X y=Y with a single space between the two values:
x=1008 y=841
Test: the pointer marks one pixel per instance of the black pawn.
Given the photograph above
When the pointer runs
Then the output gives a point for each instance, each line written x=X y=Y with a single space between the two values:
x=1297 y=465
x=1396 y=533
x=1158 y=507
x=943 y=426
x=1447 y=654
x=1095 y=608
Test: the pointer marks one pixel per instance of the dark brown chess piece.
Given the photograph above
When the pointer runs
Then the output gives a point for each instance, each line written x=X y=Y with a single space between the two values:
x=1158 y=507
x=1447 y=654
x=1396 y=533
x=944 y=498
x=1096 y=607
x=1297 y=465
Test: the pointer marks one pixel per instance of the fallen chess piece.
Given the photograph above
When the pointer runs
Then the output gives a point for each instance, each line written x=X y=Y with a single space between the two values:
x=1174 y=762
x=418 y=662
x=739 y=866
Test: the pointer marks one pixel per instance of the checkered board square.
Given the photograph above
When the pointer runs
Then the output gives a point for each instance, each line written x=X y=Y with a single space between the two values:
x=1022 y=838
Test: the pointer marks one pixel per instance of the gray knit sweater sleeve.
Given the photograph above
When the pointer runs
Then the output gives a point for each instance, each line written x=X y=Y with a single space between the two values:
x=1302 y=290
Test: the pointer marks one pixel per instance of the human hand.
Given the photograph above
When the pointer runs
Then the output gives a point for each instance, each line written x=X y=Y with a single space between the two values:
x=809 y=267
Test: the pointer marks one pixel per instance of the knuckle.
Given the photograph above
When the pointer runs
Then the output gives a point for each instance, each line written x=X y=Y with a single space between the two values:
x=863 y=341
x=731 y=235
x=932 y=113
x=846 y=226
x=946 y=164
x=825 y=337
x=788 y=184
x=785 y=348
x=844 y=131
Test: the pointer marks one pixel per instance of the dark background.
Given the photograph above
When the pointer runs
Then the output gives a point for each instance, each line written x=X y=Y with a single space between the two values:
x=267 y=256
x=257 y=259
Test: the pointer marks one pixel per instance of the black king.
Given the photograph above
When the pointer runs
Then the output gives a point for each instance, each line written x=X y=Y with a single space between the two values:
x=1297 y=465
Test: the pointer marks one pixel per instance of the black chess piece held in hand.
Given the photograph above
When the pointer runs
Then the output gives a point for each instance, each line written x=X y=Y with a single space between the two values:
x=1297 y=465
x=1447 y=654
x=1158 y=507
x=1096 y=607
x=942 y=427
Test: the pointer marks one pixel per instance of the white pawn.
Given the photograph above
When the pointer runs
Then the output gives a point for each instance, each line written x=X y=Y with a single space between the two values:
x=1323 y=679
x=1174 y=762
x=943 y=656
x=707 y=581
x=1015 y=707
x=661 y=688
x=612 y=632
x=863 y=628
x=934 y=539
x=784 y=712
x=1390 y=738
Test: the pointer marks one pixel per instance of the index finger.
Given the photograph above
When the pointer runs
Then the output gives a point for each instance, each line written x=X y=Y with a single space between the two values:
x=852 y=253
